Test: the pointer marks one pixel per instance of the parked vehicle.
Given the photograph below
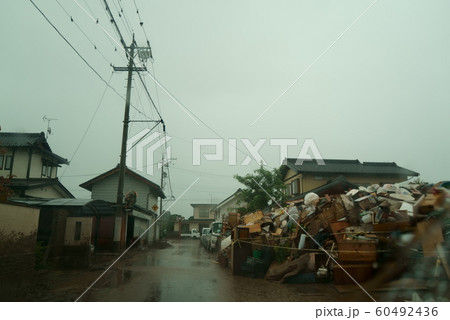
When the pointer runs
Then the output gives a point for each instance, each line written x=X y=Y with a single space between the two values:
x=193 y=234
x=215 y=237
x=204 y=239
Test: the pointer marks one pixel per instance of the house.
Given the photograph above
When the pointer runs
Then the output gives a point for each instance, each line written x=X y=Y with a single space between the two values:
x=336 y=186
x=301 y=176
x=29 y=160
x=141 y=214
x=230 y=204
x=202 y=218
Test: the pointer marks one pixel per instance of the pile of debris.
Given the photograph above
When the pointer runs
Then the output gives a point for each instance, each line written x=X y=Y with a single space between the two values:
x=345 y=237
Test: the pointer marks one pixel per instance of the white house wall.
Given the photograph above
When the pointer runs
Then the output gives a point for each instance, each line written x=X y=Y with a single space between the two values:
x=230 y=206
x=20 y=164
x=86 y=231
x=44 y=192
x=106 y=190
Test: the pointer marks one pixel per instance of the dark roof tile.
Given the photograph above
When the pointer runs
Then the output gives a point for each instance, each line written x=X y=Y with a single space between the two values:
x=347 y=167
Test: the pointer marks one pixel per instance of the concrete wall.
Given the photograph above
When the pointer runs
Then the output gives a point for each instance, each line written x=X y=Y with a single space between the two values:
x=18 y=232
x=85 y=235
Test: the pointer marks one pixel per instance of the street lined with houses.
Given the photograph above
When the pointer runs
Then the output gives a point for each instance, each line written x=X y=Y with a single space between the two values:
x=225 y=151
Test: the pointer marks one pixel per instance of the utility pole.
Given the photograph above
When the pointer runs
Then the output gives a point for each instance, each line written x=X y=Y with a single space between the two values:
x=164 y=162
x=144 y=53
x=123 y=154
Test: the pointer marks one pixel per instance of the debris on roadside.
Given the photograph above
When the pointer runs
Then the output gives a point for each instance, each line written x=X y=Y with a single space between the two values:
x=345 y=238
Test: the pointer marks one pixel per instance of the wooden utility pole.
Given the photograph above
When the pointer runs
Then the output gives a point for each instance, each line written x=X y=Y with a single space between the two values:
x=123 y=154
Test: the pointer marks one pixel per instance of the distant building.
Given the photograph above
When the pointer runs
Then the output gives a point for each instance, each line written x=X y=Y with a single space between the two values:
x=303 y=176
x=202 y=218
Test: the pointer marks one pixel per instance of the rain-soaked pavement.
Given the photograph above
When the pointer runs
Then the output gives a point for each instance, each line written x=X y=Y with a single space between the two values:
x=186 y=272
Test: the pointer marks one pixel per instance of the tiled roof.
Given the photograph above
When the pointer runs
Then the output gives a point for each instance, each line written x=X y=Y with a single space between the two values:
x=348 y=167
x=18 y=139
x=35 y=140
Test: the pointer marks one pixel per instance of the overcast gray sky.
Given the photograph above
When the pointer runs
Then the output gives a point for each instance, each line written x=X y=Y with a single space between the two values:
x=371 y=82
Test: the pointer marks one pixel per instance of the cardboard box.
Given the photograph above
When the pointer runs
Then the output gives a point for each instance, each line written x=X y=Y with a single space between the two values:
x=366 y=202
x=252 y=217
x=335 y=212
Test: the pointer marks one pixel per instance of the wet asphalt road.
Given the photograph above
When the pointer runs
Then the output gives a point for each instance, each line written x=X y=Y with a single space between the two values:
x=186 y=272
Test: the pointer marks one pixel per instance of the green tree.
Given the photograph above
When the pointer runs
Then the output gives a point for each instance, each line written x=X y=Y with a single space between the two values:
x=258 y=185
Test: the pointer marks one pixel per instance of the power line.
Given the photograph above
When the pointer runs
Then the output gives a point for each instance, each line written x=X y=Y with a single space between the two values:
x=89 y=125
x=124 y=14
x=87 y=4
x=120 y=13
x=141 y=22
x=113 y=21
x=149 y=96
x=190 y=113
x=85 y=35
x=79 y=54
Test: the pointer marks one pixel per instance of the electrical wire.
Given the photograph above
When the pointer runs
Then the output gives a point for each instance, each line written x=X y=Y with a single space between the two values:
x=87 y=4
x=79 y=54
x=119 y=2
x=85 y=35
x=149 y=96
x=190 y=113
x=120 y=12
x=116 y=27
x=89 y=125
x=141 y=22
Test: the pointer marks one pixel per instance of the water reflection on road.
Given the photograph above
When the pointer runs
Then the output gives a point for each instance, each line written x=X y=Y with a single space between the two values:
x=185 y=272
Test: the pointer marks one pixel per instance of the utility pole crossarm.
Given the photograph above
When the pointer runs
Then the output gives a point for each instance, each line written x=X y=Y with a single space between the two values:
x=126 y=69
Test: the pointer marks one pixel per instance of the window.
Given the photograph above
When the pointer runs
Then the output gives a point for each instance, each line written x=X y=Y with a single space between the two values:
x=1 y=161
x=46 y=170
x=295 y=186
x=77 y=235
x=8 y=162
x=203 y=213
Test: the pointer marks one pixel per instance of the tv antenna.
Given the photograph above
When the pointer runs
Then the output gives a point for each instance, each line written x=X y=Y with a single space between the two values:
x=49 y=130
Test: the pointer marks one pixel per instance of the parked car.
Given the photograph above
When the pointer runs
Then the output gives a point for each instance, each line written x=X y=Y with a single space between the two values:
x=215 y=237
x=204 y=239
x=193 y=234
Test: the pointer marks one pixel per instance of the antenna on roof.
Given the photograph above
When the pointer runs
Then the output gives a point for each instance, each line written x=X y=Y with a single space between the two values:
x=49 y=130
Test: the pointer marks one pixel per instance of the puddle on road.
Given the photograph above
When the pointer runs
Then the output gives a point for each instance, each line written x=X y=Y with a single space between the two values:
x=117 y=278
